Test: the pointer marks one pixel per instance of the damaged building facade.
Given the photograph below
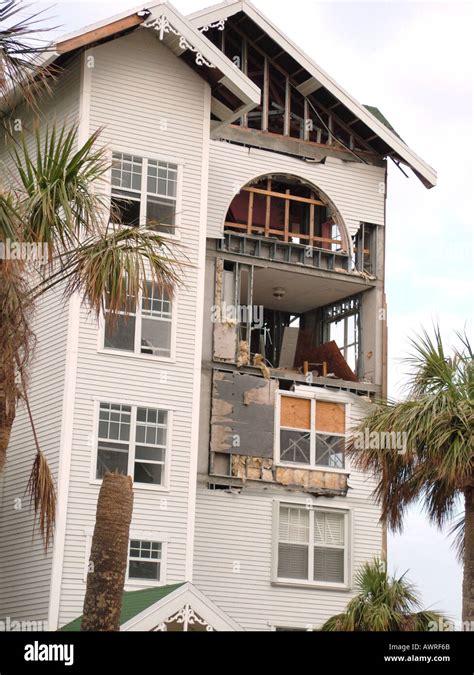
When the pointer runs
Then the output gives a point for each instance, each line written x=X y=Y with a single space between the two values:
x=230 y=403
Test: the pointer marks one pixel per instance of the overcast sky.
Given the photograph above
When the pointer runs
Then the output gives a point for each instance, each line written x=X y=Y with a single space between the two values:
x=412 y=60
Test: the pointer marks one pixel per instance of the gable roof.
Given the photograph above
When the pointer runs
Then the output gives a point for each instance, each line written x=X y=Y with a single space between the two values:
x=133 y=603
x=179 y=35
x=146 y=609
x=385 y=140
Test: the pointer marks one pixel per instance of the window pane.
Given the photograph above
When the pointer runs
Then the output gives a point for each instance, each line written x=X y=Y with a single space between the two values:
x=139 y=569
x=329 y=564
x=330 y=451
x=126 y=171
x=153 y=454
x=162 y=213
x=120 y=335
x=294 y=524
x=156 y=302
x=125 y=211
x=292 y=561
x=156 y=337
x=114 y=421
x=111 y=458
x=148 y=473
x=162 y=178
x=294 y=446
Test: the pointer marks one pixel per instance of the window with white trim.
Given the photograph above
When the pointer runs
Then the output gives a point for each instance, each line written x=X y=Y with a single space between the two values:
x=132 y=440
x=311 y=432
x=144 y=191
x=148 y=330
x=312 y=544
x=145 y=560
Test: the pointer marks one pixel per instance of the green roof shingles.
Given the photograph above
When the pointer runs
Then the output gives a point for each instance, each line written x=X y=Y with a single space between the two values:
x=133 y=603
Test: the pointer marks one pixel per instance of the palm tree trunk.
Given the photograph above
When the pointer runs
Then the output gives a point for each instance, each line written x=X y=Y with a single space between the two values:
x=7 y=415
x=108 y=560
x=468 y=582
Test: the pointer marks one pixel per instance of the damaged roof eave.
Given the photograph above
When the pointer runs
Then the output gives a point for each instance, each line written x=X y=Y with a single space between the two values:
x=232 y=77
x=424 y=172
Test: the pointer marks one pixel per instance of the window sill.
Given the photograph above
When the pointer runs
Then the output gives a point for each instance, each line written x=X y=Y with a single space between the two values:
x=321 y=586
x=139 y=486
x=307 y=467
x=143 y=583
x=131 y=355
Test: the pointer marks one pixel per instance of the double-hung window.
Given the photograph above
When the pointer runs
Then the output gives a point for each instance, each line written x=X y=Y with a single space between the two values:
x=144 y=191
x=132 y=440
x=145 y=560
x=311 y=433
x=312 y=544
x=147 y=330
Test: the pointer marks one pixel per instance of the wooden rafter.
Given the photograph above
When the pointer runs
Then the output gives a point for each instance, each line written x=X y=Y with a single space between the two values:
x=286 y=196
x=99 y=33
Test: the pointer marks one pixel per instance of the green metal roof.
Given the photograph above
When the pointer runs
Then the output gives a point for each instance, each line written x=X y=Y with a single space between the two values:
x=381 y=118
x=133 y=603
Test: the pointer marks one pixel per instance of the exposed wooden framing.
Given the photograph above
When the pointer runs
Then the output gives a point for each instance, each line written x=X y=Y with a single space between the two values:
x=286 y=128
x=287 y=217
x=250 y=218
x=286 y=195
x=266 y=94
x=335 y=105
x=330 y=127
x=307 y=117
x=99 y=33
x=260 y=229
x=311 y=221
x=344 y=126
x=268 y=207
x=245 y=69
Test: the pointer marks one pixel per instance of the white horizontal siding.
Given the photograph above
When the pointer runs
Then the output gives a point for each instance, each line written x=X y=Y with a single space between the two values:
x=233 y=553
x=136 y=83
x=357 y=190
x=25 y=569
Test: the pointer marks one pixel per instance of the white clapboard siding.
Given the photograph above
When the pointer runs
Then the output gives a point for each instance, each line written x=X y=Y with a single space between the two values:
x=136 y=83
x=25 y=570
x=233 y=553
x=356 y=189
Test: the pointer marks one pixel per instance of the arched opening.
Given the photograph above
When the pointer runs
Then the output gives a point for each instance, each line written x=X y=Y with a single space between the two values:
x=286 y=209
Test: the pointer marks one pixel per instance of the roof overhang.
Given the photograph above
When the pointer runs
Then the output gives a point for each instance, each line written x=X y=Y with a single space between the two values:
x=317 y=80
x=233 y=94
x=186 y=596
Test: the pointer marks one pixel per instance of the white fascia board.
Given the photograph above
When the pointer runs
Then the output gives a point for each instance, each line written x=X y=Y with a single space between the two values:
x=224 y=10
x=233 y=78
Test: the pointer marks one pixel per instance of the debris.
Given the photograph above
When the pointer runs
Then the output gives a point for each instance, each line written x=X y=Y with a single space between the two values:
x=259 y=362
x=243 y=358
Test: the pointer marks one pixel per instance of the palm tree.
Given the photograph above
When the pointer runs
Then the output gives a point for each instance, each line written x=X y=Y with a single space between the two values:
x=383 y=603
x=436 y=465
x=109 y=553
x=56 y=203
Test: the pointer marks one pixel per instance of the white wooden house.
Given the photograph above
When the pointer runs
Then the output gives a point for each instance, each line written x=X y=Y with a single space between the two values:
x=247 y=515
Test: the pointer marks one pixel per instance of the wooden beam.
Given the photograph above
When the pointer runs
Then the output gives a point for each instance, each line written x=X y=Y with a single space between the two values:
x=99 y=33
x=311 y=222
x=286 y=195
x=259 y=228
x=268 y=207
x=266 y=94
x=286 y=127
x=250 y=214
x=287 y=217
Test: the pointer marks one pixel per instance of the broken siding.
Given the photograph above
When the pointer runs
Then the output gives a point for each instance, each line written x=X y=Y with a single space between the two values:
x=357 y=190
x=25 y=570
x=136 y=83
x=233 y=555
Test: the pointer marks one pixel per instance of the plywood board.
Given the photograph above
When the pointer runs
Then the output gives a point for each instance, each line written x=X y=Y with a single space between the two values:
x=295 y=412
x=330 y=417
x=288 y=347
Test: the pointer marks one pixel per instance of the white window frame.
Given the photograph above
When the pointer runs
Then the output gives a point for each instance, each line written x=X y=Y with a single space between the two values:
x=131 y=455
x=137 y=354
x=313 y=397
x=348 y=545
x=146 y=157
x=142 y=535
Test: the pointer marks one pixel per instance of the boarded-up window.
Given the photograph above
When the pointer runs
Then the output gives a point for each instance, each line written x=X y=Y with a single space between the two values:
x=312 y=432
x=311 y=544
